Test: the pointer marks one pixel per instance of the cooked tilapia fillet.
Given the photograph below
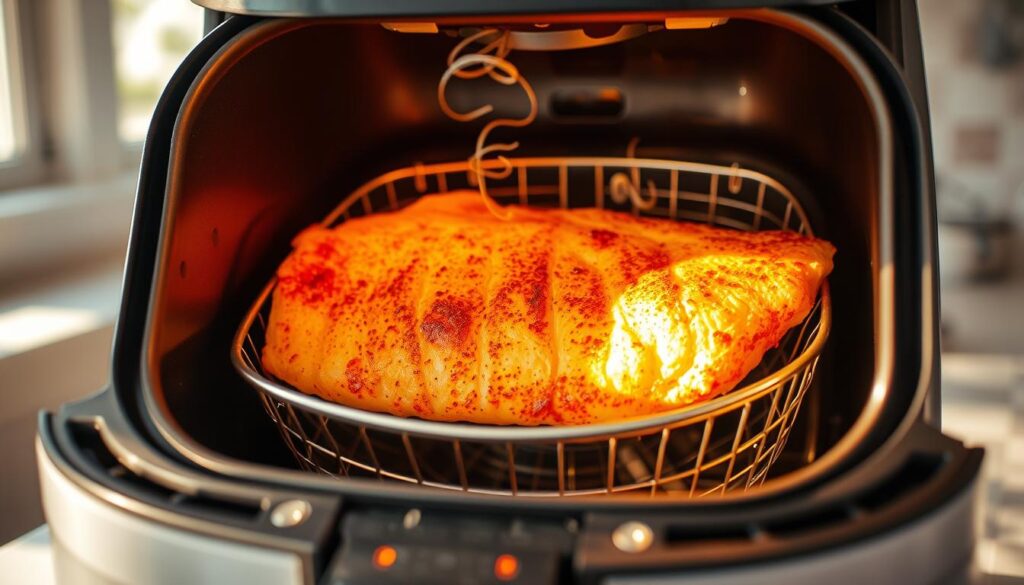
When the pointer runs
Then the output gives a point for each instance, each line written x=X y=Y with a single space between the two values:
x=561 y=317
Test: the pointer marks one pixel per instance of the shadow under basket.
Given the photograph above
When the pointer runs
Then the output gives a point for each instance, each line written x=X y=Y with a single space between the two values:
x=725 y=444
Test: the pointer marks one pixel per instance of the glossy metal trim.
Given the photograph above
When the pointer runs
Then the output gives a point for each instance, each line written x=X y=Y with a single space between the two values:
x=412 y=8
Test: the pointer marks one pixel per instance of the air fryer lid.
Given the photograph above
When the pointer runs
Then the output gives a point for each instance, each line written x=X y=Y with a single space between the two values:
x=423 y=8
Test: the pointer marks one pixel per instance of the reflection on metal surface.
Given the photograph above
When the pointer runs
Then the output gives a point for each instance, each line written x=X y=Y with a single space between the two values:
x=692 y=22
x=411 y=27
x=290 y=513
x=562 y=40
x=633 y=537
x=411 y=519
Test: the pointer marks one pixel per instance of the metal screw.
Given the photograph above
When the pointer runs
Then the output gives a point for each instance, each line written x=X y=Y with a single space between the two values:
x=290 y=513
x=412 y=519
x=633 y=537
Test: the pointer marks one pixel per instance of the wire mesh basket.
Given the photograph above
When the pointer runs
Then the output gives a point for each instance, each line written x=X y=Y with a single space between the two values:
x=724 y=444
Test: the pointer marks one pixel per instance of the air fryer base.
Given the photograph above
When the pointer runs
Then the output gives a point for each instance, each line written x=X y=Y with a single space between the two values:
x=937 y=550
x=102 y=541
x=95 y=543
x=903 y=516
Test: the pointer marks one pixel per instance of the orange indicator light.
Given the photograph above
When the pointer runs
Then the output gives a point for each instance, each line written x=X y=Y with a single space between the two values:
x=506 y=567
x=384 y=557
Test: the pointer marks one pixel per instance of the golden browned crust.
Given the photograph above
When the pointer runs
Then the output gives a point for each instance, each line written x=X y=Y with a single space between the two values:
x=445 y=312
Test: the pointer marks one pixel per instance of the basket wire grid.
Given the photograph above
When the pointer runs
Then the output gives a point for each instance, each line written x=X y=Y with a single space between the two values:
x=724 y=444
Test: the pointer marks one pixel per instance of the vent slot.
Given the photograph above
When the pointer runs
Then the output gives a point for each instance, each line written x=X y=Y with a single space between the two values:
x=811 y=522
x=588 y=103
x=202 y=504
x=703 y=534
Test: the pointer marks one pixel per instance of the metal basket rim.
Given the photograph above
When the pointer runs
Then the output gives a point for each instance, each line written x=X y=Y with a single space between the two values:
x=525 y=434
x=418 y=170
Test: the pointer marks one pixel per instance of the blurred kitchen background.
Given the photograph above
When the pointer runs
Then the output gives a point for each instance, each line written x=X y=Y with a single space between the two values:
x=78 y=83
x=974 y=60
x=974 y=55
x=79 y=80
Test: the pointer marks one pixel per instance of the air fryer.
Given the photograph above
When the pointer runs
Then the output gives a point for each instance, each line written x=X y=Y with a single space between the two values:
x=287 y=108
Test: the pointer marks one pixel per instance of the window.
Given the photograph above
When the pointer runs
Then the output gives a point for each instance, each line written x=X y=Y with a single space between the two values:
x=78 y=83
x=150 y=37
x=15 y=162
x=7 y=139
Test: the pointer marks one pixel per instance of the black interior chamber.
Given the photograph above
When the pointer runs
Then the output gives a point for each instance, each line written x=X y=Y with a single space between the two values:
x=294 y=115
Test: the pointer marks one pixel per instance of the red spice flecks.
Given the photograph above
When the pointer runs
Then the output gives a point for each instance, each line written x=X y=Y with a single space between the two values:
x=447 y=322
x=396 y=289
x=471 y=402
x=396 y=293
x=527 y=279
x=723 y=337
x=354 y=376
x=603 y=238
x=542 y=408
x=535 y=287
x=636 y=262
x=324 y=250
x=422 y=406
x=575 y=400
x=406 y=316
x=309 y=283
x=588 y=299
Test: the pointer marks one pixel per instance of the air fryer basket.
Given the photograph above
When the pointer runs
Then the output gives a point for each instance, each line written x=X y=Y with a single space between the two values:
x=293 y=113
x=727 y=443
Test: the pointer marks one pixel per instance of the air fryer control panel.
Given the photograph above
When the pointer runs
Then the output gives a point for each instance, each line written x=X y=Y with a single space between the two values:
x=410 y=546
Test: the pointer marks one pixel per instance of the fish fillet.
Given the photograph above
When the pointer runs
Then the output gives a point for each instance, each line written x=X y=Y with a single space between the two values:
x=559 y=317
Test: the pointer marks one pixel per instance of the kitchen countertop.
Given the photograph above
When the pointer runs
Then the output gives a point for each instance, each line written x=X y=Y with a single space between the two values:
x=28 y=559
x=982 y=403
